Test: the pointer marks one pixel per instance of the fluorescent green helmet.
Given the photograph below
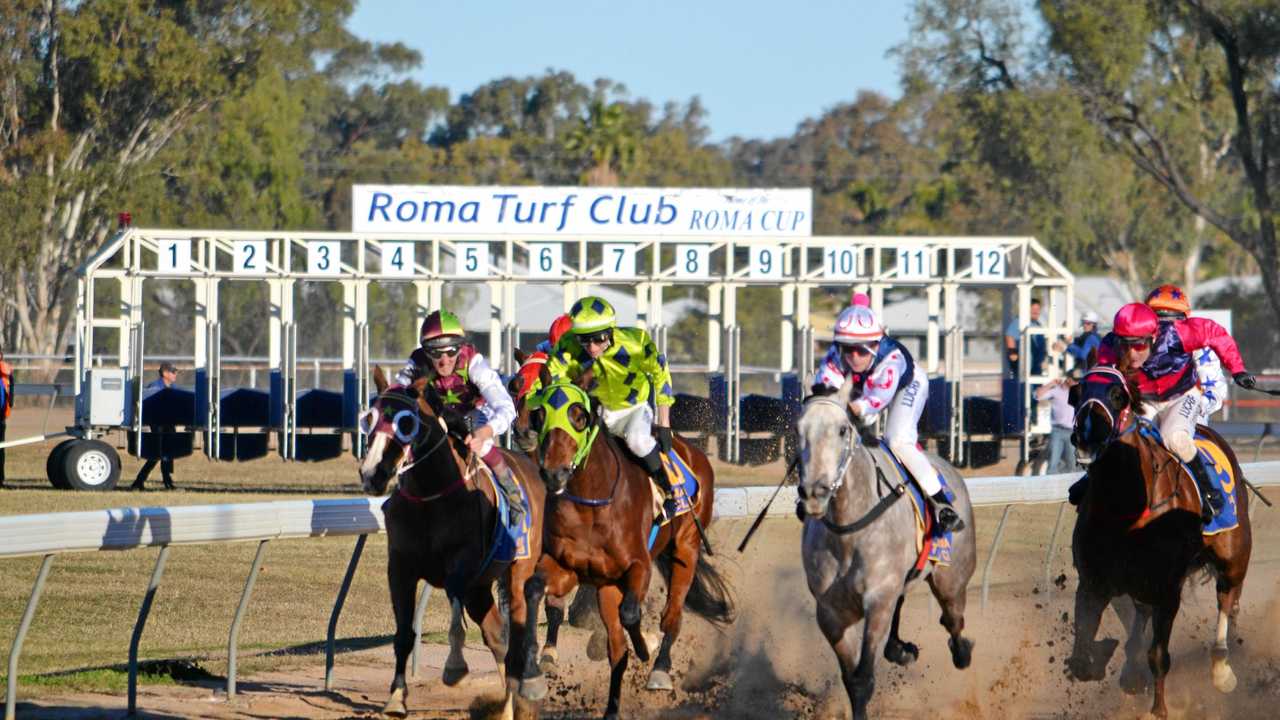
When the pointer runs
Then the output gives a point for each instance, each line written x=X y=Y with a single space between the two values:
x=592 y=314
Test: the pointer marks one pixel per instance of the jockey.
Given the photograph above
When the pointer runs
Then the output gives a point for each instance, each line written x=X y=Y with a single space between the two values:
x=889 y=381
x=1171 y=304
x=628 y=369
x=526 y=378
x=1159 y=353
x=466 y=384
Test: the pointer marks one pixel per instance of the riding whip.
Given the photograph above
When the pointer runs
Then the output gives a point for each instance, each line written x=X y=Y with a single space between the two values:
x=760 y=518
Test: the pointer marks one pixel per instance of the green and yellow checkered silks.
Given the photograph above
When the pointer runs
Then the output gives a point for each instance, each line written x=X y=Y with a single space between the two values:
x=592 y=314
x=442 y=329
x=626 y=374
x=555 y=400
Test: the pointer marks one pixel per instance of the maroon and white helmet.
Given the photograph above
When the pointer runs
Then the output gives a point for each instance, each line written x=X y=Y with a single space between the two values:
x=858 y=325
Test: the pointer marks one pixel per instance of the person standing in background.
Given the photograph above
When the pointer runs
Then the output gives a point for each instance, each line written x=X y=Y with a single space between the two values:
x=6 y=405
x=168 y=375
x=1086 y=342
x=1012 y=346
x=1058 y=392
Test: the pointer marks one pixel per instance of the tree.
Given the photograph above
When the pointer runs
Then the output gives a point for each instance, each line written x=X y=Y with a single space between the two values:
x=91 y=95
x=1187 y=89
x=607 y=139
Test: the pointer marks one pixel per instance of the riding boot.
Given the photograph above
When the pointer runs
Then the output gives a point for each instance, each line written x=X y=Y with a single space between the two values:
x=948 y=519
x=653 y=465
x=510 y=488
x=1211 y=500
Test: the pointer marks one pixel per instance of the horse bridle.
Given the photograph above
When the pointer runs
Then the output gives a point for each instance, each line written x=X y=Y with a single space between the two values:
x=846 y=455
x=412 y=440
x=886 y=501
x=1117 y=422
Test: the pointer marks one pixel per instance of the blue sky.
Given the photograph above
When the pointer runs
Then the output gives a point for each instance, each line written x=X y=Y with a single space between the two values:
x=759 y=67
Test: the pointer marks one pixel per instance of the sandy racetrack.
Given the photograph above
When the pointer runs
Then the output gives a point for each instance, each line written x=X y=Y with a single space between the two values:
x=774 y=663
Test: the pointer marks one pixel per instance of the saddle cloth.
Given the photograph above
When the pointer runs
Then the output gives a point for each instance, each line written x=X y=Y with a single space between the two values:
x=1220 y=475
x=932 y=545
x=509 y=543
x=683 y=482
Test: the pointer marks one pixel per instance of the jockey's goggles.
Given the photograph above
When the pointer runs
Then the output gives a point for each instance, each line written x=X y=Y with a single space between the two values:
x=596 y=338
x=1136 y=343
x=860 y=350
x=437 y=353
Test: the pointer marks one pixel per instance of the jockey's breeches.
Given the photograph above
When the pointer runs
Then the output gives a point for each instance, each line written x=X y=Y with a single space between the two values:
x=634 y=425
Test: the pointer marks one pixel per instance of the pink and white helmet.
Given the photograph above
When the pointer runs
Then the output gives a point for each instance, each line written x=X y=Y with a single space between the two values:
x=857 y=325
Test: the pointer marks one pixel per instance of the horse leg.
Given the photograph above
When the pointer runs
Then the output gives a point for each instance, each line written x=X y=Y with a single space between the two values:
x=610 y=598
x=950 y=591
x=404 y=586
x=455 y=666
x=896 y=650
x=488 y=615
x=551 y=580
x=1089 y=659
x=684 y=563
x=555 y=618
x=519 y=634
x=862 y=684
x=1135 y=617
x=1229 y=586
x=636 y=584
x=1158 y=657
x=835 y=627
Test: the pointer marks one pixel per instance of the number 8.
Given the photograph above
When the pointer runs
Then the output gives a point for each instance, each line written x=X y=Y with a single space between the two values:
x=691 y=261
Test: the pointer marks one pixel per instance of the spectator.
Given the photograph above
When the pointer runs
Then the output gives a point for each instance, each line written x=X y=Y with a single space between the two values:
x=1087 y=341
x=1058 y=392
x=1039 y=346
x=6 y=405
x=168 y=374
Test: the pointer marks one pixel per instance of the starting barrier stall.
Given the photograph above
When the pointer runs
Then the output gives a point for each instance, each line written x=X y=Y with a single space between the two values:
x=308 y=425
x=49 y=535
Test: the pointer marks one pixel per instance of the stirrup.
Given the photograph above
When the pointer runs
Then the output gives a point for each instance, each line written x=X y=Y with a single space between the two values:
x=948 y=519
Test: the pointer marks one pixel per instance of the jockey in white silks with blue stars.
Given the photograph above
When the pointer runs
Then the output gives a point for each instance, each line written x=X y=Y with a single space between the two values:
x=885 y=380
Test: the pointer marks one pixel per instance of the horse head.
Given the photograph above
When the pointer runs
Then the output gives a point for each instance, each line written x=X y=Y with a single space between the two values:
x=531 y=376
x=1108 y=404
x=827 y=437
x=395 y=427
x=563 y=415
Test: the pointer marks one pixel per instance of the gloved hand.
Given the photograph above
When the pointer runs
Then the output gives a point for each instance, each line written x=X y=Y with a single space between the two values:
x=1245 y=380
x=663 y=435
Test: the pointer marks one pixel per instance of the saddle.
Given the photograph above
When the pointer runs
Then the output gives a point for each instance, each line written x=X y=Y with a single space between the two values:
x=1218 y=467
x=932 y=544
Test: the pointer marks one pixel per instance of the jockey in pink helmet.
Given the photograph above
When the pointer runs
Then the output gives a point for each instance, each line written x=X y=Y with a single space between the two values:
x=885 y=380
x=1158 y=355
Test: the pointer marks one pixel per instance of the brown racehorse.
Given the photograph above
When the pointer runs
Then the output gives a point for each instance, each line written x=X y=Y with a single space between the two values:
x=597 y=530
x=1139 y=534
x=441 y=524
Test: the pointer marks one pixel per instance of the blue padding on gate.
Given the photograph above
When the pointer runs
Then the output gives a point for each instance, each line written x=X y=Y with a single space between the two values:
x=244 y=407
x=1012 y=414
x=315 y=448
x=275 y=390
x=242 y=446
x=169 y=406
x=318 y=408
x=937 y=409
x=202 y=393
x=176 y=445
x=792 y=396
x=981 y=416
x=350 y=399
x=718 y=394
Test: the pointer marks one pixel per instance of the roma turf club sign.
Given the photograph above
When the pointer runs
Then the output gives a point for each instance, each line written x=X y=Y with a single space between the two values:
x=524 y=210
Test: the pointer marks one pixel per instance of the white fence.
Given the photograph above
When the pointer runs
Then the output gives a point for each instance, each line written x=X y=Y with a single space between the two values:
x=51 y=534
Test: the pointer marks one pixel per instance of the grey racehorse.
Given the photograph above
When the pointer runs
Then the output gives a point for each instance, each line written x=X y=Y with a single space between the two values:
x=859 y=547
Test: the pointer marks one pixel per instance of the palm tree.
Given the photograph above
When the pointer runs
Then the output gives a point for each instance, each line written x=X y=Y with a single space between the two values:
x=608 y=140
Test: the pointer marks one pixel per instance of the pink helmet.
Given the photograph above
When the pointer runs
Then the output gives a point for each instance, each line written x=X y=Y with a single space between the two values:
x=861 y=299
x=858 y=324
x=1136 y=320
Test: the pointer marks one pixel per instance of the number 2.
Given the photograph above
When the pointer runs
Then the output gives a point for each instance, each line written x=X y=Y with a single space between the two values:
x=249 y=252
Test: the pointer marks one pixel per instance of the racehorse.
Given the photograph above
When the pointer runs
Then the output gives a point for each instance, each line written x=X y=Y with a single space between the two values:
x=859 y=547
x=599 y=529
x=1139 y=534
x=442 y=527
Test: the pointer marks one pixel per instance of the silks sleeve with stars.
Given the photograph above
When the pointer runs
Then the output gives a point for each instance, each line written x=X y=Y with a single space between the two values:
x=624 y=375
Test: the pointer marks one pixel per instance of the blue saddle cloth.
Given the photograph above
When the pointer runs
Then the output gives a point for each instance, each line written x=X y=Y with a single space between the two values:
x=939 y=542
x=685 y=486
x=510 y=543
x=1220 y=476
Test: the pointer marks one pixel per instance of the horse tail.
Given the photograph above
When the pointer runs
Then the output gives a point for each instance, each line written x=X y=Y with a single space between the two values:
x=709 y=595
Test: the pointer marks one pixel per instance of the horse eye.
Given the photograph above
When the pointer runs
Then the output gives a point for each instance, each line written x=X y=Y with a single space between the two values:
x=844 y=431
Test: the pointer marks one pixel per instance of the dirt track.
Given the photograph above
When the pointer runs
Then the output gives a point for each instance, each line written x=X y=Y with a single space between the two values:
x=773 y=662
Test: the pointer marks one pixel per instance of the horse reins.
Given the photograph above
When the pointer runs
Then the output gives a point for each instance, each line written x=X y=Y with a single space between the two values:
x=886 y=501
x=413 y=456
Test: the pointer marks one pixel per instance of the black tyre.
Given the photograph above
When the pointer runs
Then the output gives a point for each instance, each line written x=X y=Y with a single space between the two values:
x=91 y=465
x=53 y=465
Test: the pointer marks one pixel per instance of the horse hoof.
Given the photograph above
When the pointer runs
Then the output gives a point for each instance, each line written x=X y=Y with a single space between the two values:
x=454 y=675
x=1134 y=681
x=395 y=706
x=902 y=653
x=598 y=646
x=547 y=663
x=533 y=689
x=660 y=680
x=1224 y=679
x=961 y=652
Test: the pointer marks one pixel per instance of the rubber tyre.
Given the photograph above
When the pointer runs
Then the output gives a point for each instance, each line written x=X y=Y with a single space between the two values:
x=91 y=465
x=53 y=465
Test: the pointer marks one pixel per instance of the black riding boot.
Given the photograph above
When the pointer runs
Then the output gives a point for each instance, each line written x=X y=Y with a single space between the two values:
x=510 y=488
x=1211 y=500
x=653 y=465
x=948 y=519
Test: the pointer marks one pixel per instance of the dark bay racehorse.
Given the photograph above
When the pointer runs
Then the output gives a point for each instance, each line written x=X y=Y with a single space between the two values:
x=859 y=548
x=1139 y=534
x=441 y=527
x=597 y=530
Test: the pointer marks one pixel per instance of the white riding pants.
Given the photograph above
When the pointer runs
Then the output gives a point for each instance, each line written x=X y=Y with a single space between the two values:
x=901 y=434
x=634 y=425
x=1176 y=418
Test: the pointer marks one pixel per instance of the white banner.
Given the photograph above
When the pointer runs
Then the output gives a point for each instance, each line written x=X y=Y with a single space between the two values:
x=575 y=211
